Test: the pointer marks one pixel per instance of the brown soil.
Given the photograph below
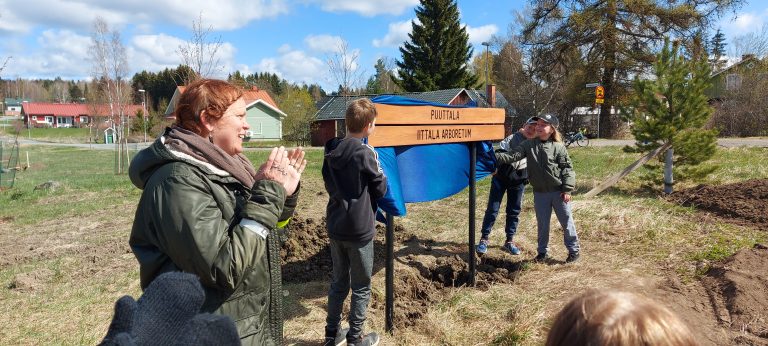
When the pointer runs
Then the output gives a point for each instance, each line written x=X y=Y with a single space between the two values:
x=742 y=203
x=422 y=273
x=729 y=304
x=740 y=285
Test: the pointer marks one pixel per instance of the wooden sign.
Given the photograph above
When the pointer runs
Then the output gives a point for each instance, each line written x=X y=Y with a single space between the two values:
x=414 y=125
x=432 y=115
x=389 y=136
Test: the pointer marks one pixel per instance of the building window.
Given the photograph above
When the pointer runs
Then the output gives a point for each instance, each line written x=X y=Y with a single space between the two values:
x=49 y=119
x=732 y=81
x=34 y=117
x=83 y=119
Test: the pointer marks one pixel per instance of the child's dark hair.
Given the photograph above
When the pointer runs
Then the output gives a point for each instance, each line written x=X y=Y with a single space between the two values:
x=360 y=113
x=617 y=318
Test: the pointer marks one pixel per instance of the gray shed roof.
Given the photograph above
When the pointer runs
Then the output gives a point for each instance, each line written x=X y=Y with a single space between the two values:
x=333 y=107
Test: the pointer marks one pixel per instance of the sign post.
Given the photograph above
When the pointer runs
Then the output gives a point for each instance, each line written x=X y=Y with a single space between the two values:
x=599 y=99
x=418 y=125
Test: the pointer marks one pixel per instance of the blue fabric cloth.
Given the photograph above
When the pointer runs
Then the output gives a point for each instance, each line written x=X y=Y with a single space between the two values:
x=422 y=173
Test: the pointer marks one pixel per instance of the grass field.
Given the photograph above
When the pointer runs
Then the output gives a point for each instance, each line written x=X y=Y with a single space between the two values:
x=64 y=257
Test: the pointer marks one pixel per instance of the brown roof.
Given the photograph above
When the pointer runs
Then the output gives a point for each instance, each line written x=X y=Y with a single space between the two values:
x=255 y=94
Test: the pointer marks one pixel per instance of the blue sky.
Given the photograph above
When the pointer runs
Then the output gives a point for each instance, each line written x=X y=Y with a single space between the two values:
x=293 y=38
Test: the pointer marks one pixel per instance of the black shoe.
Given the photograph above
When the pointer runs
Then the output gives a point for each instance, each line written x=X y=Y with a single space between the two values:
x=335 y=338
x=572 y=257
x=541 y=257
x=370 y=339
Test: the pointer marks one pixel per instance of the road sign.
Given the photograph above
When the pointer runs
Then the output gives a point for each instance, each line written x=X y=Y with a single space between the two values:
x=592 y=85
x=599 y=92
x=414 y=125
x=599 y=101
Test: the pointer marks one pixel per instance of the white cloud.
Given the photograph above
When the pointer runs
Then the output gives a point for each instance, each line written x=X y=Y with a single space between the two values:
x=481 y=34
x=295 y=66
x=397 y=34
x=60 y=53
x=65 y=53
x=157 y=52
x=744 y=22
x=323 y=43
x=23 y=16
x=368 y=8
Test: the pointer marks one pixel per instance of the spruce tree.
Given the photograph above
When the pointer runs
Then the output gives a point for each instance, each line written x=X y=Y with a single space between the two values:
x=672 y=108
x=718 y=51
x=437 y=53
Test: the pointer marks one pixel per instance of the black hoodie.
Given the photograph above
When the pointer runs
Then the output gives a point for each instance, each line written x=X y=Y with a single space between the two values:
x=354 y=182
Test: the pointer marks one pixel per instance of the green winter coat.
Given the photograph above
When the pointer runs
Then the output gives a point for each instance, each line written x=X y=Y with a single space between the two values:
x=191 y=218
x=549 y=166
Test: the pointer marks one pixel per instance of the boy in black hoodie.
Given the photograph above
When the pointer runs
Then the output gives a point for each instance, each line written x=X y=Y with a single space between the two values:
x=354 y=182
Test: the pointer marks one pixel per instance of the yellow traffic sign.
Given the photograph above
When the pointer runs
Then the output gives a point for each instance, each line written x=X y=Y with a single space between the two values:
x=599 y=101
x=599 y=92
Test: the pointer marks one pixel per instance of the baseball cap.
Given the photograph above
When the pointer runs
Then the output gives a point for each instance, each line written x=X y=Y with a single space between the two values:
x=550 y=118
x=532 y=120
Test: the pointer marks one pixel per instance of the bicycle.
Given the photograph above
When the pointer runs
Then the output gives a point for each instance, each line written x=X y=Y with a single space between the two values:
x=578 y=137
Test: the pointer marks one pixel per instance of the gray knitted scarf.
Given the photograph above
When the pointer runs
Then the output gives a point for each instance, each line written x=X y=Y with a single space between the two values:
x=202 y=149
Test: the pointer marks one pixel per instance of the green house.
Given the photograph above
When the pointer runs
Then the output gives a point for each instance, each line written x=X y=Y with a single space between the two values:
x=264 y=117
x=731 y=78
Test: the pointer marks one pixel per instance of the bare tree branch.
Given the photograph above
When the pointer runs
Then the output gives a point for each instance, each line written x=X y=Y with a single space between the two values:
x=200 y=54
x=344 y=67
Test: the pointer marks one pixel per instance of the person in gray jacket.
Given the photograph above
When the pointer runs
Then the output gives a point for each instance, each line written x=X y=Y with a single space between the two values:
x=551 y=175
x=510 y=179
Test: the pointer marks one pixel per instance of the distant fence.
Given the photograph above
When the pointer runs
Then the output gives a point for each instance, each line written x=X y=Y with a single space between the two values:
x=9 y=164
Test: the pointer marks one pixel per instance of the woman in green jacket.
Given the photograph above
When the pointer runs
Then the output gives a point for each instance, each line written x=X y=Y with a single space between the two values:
x=206 y=210
x=551 y=175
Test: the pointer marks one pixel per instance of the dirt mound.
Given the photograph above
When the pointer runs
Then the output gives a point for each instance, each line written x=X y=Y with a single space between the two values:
x=743 y=203
x=306 y=254
x=424 y=269
x=740 y=285
x=454 y=272
x=32 y=281
x=728 y=304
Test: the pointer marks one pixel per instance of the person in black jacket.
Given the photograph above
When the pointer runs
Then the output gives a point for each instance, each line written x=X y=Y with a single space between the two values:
x=510 y=179
x=354 y=181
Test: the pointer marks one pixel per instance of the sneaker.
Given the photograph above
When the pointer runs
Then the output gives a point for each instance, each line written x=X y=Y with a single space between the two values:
x=339 y=340
x=370 y=339
x=541 y=257
x=482 y=247
x=572 y=257
x=510 y=246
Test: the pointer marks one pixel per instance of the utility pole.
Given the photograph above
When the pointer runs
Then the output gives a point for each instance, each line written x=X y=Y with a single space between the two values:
x=144 y=107
x=487 y=45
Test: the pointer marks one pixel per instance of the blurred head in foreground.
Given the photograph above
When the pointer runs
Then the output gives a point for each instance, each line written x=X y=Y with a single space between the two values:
x=617 y=318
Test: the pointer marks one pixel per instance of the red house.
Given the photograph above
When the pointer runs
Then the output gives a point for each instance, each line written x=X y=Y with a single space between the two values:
x=41 y=114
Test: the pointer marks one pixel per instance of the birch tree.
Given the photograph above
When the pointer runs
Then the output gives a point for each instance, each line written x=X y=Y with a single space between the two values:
x=200 y=53
x=110 y=67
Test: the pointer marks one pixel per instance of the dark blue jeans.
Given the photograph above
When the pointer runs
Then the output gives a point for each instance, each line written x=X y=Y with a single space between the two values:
x=352 y=268
x=514 y=205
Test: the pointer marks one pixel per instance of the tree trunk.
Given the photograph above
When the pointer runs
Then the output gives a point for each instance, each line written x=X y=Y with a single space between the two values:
x=668 y=180
x=607 y=126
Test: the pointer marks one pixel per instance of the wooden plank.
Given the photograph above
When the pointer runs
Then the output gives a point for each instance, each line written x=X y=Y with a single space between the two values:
x=433 y=115
x=616 y=177
x=388 y=136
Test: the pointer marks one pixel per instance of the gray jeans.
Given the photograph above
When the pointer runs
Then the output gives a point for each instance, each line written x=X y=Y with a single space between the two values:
x=543 y=203
x=352 y=268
